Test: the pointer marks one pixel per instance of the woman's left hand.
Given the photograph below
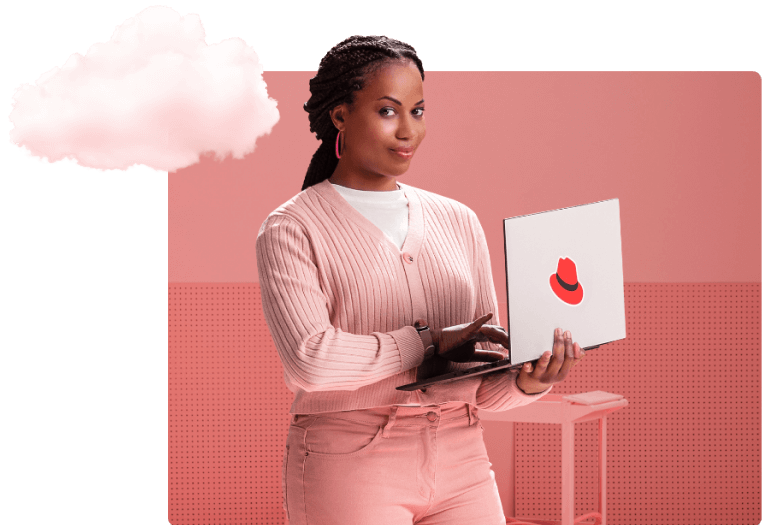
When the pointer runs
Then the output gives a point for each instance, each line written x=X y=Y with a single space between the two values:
x=551 y=367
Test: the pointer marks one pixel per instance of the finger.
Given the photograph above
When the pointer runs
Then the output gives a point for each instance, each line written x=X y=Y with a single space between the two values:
x=568 y=345
x=492 y=329
x=494 y=334
x=480 y=321
x=491 y=332
x=555 y=360
x=558 y=351
x=487 y=356
x=477 y=324
x=541 y=366
x=527 y=368
x=578 y=352
x=568 y=358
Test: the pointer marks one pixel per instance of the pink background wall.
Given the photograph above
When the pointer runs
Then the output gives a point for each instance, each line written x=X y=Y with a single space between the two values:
x=681 y=151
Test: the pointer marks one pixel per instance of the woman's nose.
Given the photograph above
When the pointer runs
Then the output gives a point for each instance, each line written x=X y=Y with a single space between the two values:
x=407 y=129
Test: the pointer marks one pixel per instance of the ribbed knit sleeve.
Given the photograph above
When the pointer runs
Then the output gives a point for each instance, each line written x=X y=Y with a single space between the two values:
x=316 y=356
x=497 y=391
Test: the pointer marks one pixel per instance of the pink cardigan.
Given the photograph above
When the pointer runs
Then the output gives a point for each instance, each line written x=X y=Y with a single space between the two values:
x=340 y=300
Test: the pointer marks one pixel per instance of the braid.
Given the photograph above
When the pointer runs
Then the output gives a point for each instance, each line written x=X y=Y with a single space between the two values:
x=343 y=70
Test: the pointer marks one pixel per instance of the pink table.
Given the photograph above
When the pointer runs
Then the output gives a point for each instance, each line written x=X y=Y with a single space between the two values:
x=568 y=410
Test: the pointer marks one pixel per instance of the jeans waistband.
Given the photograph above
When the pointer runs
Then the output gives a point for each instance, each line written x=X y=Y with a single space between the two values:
x=388 y=415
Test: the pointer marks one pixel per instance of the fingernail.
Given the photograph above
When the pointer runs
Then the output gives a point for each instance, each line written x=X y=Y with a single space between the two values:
x=567 y=334
x=558 y=332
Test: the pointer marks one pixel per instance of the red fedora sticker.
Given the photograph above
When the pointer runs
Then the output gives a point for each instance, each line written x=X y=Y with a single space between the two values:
x=565 y=282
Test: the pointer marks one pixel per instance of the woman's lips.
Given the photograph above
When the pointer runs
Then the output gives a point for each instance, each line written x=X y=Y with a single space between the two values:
x=404 y=153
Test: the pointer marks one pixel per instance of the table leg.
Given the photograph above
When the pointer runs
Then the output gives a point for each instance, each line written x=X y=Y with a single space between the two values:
x=602 y=469
x=513 y=510
x=568 y=473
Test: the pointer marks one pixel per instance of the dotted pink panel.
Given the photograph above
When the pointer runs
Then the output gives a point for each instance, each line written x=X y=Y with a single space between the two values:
x=687 y=448
x=228 y=407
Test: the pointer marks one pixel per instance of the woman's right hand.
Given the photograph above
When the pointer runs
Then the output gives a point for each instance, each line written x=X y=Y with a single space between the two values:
x=457 y=343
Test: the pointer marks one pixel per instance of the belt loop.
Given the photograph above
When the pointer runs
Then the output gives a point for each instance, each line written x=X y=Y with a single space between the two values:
x=391 y=422
x=472 y=414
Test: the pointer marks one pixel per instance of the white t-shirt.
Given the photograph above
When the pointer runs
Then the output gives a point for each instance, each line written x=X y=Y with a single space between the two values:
x=386 y=209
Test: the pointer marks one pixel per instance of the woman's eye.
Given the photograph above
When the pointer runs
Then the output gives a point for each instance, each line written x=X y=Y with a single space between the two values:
x=420 y=111
x=383 y=111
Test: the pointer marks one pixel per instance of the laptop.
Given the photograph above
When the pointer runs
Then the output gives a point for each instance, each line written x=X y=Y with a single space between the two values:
x=563 y=269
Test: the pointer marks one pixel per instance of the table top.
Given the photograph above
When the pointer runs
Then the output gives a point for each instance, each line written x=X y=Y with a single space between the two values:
x=558 y=408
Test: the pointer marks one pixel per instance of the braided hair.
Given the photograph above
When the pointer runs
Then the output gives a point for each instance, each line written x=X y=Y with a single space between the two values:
x=344 y=70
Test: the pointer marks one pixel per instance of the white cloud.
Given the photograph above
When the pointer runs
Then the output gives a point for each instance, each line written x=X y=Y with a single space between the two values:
x=155 y=94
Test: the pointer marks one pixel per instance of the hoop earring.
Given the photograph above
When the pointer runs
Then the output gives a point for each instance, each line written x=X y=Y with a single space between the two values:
x=338 y=155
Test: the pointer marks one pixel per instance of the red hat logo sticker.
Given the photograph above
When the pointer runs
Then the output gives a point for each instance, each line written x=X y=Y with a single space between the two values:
x=565 y=282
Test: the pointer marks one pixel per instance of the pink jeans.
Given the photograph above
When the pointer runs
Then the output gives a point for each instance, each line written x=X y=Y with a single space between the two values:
x=390 y=465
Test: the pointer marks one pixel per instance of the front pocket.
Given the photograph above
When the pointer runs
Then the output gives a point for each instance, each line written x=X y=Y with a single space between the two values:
x=341 y=438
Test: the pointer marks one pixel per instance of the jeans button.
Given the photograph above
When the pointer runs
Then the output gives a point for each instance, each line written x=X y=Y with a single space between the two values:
x=432 y=417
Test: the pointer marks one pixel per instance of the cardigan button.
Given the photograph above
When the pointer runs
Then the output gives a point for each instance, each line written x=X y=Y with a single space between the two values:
x=408 y=258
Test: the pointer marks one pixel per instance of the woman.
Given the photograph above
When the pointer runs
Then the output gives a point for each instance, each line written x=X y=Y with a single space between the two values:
x=368 y=283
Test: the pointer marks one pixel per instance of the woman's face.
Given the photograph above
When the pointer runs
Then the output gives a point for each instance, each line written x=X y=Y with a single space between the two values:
x=384 y=128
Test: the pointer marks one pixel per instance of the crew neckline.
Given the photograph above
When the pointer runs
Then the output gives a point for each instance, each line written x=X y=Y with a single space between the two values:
x=398 y=191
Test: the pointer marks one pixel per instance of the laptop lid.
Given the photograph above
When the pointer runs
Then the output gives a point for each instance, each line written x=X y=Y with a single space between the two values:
x=564 y=269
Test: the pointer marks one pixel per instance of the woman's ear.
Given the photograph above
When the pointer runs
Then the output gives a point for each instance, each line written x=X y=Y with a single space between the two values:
x=337 y=116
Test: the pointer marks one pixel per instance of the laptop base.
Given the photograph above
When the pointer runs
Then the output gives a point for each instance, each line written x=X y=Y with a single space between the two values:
x=485 y=368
